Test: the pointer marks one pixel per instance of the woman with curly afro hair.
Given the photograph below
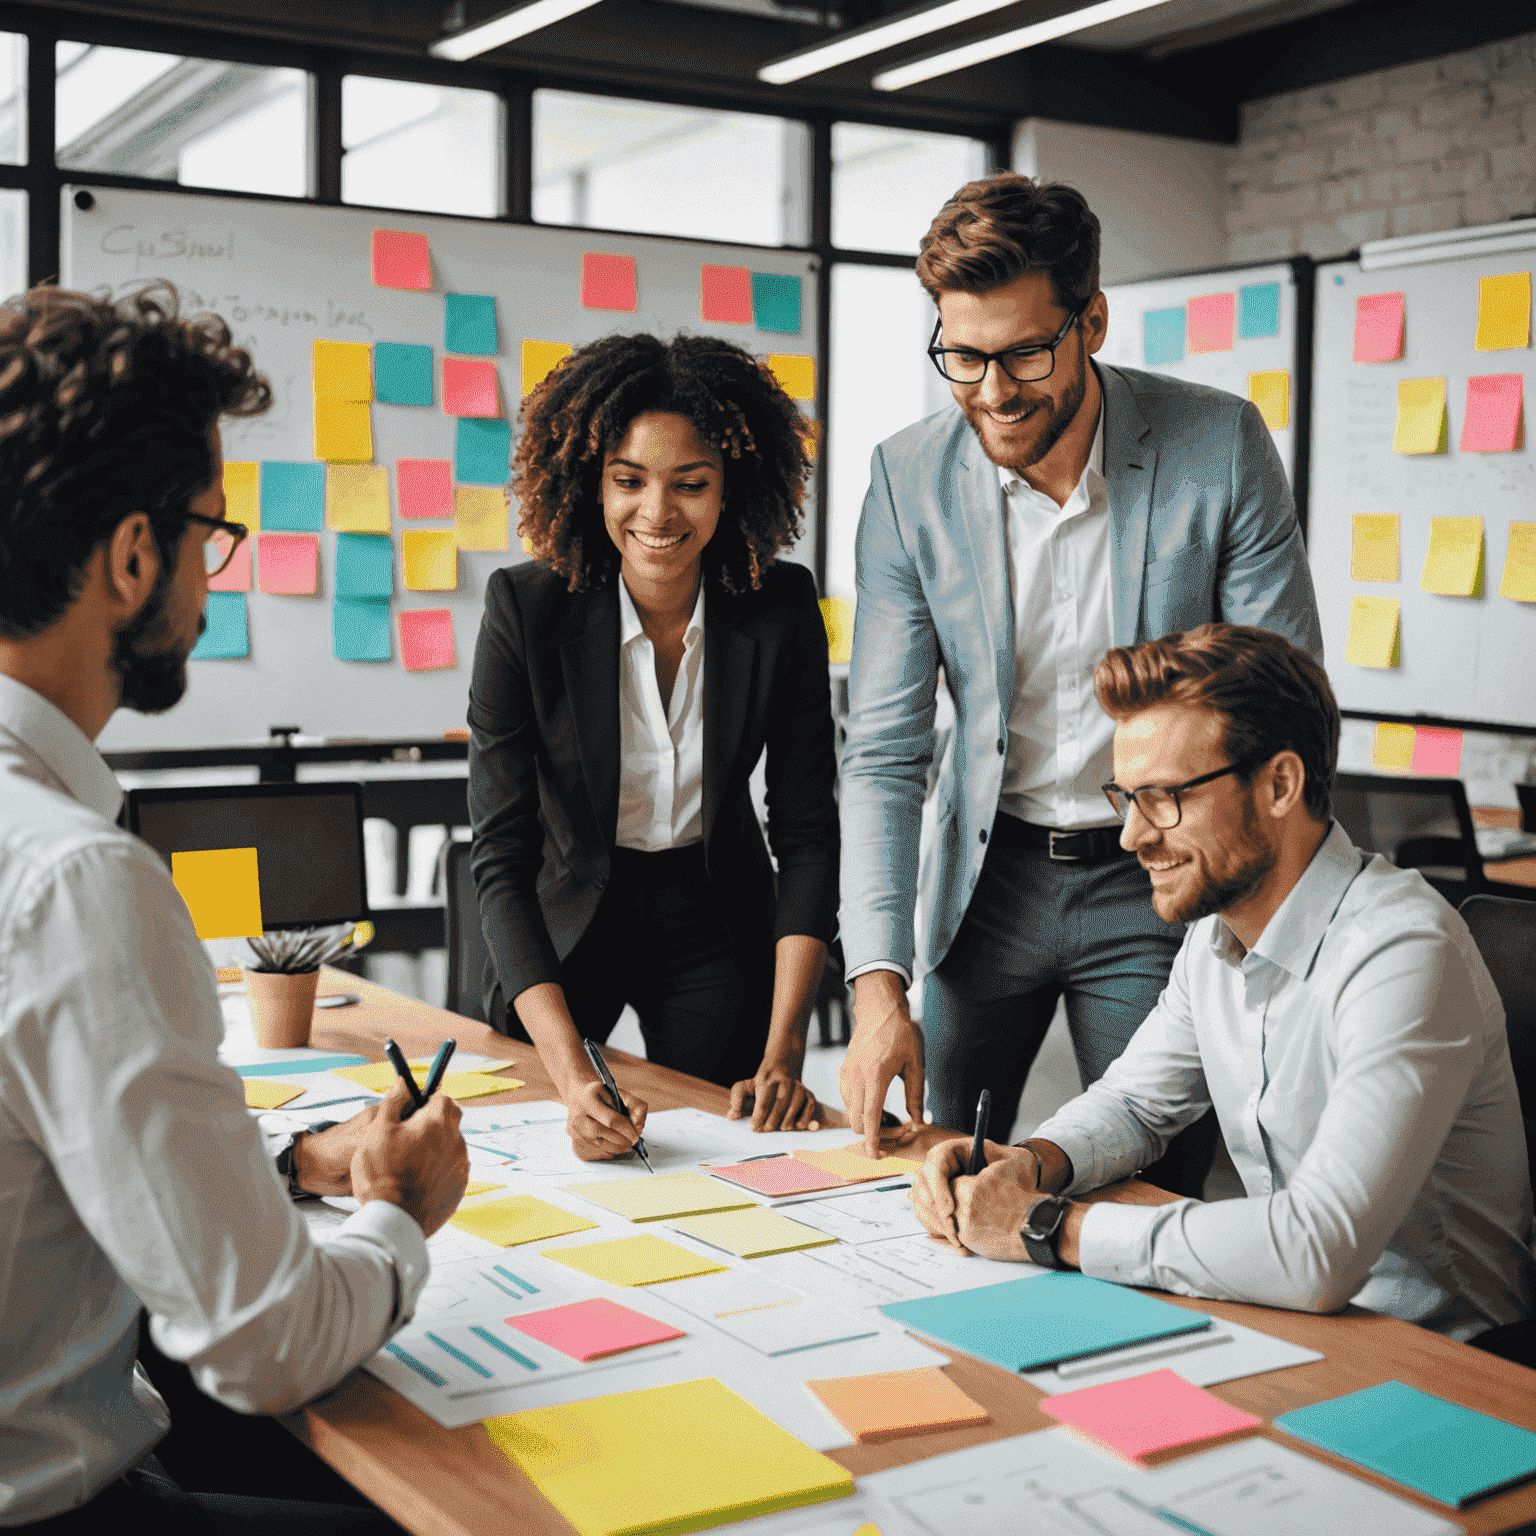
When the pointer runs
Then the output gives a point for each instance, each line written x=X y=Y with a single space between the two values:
x=627 y=682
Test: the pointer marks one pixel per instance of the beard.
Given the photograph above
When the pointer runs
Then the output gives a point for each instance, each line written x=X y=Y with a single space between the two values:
x=150 y=663
x=1059 y=417
x=1248 y=865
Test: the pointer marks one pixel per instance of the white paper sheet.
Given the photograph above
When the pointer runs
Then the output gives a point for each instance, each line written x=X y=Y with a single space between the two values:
x=767 y=1317
x=868 y=1216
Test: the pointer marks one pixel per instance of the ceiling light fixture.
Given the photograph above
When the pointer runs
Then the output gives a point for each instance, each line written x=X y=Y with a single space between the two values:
x=502 y=29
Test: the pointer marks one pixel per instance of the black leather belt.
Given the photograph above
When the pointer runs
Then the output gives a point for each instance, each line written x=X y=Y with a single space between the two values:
x=1086 y=847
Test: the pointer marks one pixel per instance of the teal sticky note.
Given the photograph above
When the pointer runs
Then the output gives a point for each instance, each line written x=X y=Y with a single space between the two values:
x=360 y=629
x=1258 y=310
x=402 y=374
x=365 y=565
x=1451 y=1453
x=292 y=497
x=226 y=636
x=1162 y=336
x=483 y=452
x=471 y=324
x=776 y=303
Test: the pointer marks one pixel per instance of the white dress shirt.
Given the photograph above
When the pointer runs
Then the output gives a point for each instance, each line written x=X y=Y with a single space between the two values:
x=1359 y=1067
x=131 y=1173
x=661 y=751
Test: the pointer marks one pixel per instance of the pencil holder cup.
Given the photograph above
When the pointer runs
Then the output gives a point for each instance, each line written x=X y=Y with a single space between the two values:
x=281 y=1006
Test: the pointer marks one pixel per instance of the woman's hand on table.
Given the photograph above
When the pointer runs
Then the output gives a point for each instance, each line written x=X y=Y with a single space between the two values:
x=778 y=1100
x=597 y=1130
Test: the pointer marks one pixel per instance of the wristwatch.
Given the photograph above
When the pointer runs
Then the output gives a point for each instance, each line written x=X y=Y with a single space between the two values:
x=284 y=1159
x=1042 y=1230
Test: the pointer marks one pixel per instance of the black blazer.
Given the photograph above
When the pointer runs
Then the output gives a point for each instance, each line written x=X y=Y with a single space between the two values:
x=544 y=765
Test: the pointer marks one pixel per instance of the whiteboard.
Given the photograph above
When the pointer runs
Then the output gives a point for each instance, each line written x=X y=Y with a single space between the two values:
x=1465 y=659
x=283 y=274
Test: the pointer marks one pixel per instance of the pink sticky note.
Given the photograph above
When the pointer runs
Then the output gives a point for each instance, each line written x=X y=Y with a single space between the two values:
x=1378 y=327
x=236 y=576
x=775 y=1176
x=1492 y=420
x=288 y=564
x=426 y=639
x=1146 y=1414
x=589 y=1330
x=1436 y=751
x=469 y=387
x=1211 y=318
x=424 y=487
x=725 y=295
x=401 y=259
x=608 y=282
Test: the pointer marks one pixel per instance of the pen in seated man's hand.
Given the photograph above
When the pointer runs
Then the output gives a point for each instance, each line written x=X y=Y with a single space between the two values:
x=420 y=1164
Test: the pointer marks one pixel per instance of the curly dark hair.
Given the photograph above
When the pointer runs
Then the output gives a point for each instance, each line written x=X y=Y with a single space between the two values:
x=581 y=411
x=105 y=410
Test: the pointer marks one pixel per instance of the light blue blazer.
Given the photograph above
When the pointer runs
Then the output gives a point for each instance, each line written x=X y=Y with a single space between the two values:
x=1203 y=528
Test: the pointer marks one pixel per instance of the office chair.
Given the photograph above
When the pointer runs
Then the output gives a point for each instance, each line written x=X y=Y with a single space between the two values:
x=467 y=951
x=1423 y=824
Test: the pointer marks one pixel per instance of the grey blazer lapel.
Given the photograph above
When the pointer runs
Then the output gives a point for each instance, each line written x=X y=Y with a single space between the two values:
x=1130 y=467
x=590 y=661
x=979 y=498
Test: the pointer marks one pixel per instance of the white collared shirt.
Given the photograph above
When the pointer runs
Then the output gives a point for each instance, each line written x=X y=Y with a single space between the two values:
x=130 y=1171
x=661 y=751
x=1358 y=1063
x=1060 y=743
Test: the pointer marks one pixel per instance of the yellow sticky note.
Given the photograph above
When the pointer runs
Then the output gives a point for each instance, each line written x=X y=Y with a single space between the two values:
x=357 y=498
x=752 y=1233
x=1520 y=564
x=1373 y=547
x=1453 y=565
x=479 y=1187
x=1271 y=392
x=849 y=1163
x=343 y=431
x=420 y=1064
x=796 y=373
x=1372 y=632
x=1394 y=746
x=519 y=1219
x=221 y=890
x=242 y=493
x=666 y=1194
x=265 y=1093
x=539 y=358
x=379 y=1077
x=1421 y=420
x=643 y=1260
x=837 y=615
x=681 y=1457
x=343 y=370
x=1503 y=312
x=430 y=557
x=480 y=515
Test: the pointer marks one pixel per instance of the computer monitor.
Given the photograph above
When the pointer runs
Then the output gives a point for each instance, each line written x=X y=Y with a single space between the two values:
x=308 y=840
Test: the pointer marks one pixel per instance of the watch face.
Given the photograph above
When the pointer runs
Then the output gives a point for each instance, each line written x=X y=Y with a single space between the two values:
x=1045 y=1217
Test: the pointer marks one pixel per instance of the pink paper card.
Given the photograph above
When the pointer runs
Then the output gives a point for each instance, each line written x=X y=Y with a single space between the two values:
x=401 y=259
x=288 y=564
x=608 y=282
x=775 y=1176
x=469 y=387
x=725 y=295
x=1211 y=318
x=424 y=487
x=1436 y=751
x=592 y=1330
x=1146 y=1414
x=236 y=576
x=426 y=639
x=1378 y=327
x=1492 y=420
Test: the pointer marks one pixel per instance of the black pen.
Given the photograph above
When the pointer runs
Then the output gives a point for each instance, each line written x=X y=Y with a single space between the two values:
x=403 y=1072
x=434 y=1075
x=615 y=1097
x=978 y=1142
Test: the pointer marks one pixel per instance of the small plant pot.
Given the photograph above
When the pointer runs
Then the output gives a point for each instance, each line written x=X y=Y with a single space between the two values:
x=281 y=1007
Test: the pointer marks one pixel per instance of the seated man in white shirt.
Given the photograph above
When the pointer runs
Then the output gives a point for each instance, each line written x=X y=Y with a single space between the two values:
x=1331 y=1006
x=131 y=1174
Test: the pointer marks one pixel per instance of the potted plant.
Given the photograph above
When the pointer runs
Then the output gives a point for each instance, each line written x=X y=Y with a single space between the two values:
x=281 y=985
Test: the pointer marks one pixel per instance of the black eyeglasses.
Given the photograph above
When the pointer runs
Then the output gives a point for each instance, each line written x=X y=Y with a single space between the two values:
x=1023 y=364
x=1159 y=803
x=220 y=544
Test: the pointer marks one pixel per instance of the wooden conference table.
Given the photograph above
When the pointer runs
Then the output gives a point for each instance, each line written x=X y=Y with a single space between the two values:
x=454 y=1482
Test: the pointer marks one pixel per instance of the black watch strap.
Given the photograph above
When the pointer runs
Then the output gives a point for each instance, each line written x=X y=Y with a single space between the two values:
x=1042 y=1231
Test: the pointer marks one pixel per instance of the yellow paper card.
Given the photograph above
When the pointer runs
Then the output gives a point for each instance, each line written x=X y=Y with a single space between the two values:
x=850 y=1163
x=796 y=373
x=1453 y=566
x=519 y=1219
x=643 y=1260
x=1421 y=420
x=357 y=498
x=752 y=1233
x=1503 y=312
x=666 y=1194
x=266 y=1093
x=379 y=1077
x=1271 y=392
x=343 y=370
x=343 y=432
x=539 y=357
x=478 y=1187
x=1394 y=746
x=1372 y=632
x=837 y=615
x=419 y=1064
x=221 y=890
x=480 y=515
x=242 y=493
x=1520 y=564
x=1373 y=547
x=680 y=1457
x=430 y=557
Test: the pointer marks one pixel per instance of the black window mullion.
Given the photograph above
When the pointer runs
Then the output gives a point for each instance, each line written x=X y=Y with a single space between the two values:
x=43 y=180
x=821 y=244
x=326 y=175
x=517 y=98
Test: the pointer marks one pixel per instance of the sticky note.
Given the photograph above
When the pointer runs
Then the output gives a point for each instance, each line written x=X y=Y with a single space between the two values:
x=891 y=1403
x=850 y=1164
x=518 y=1219
x=661 y=1196
x=1503 y=312
x=479 y=1187
x=288 y=564
x=837 y=615
x=1373 y=547
x=222 y=891
x=795 y=373
x=706 y=1458
x=1436 y=751
x=752 y=1233
x=242 y=492
x=608 y=282
x=1378 y=327
x=776 y=303
x=226 y=636
x=539 y=359
x=483 y=451
x=475 y=1085
x=1453 y=564
x=1372 y=638
x=264 y=1093
x=1393 y=747
x=1492 y=421
x=357 y=498
x=480 y=515
x=430 y=559
x=360 y=629
x=1519 y=579
x=470 y=323
x=402 y=373
x=1258 y=310
x=1162 y=336
x=1271 y=392
x=343 y=370
x=595 y=1329
x=1211 y=317
x=725 y=295
x=424 y=487
x=469 y=387
x=1421 y=423
x=401 y=259
x=426 y=639
x=343 y=431
x=292 y=497
x=1147 y=1414
x=365 y=565
x=379 y=1077
x=643 y=1260
x=236 y=576
x=776 y=1176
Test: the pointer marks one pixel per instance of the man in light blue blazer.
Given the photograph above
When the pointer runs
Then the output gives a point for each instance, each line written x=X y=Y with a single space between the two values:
x=1060 y=508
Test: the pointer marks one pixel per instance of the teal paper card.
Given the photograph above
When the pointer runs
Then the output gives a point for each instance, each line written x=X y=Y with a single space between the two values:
x=360 y=629
x=226 y=636
x=483 y=451
x=1258 y=310
x=292 y=497
x=1162 y=333
x=471 y=324
x=365 y=565
x=776 y=303
x=402 y=373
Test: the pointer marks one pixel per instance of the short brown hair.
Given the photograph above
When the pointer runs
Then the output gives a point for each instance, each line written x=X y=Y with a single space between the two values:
x=1272 y=696
x=996 y=229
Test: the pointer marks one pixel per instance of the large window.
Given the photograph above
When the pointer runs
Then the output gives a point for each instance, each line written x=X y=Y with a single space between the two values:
x=887 y=183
